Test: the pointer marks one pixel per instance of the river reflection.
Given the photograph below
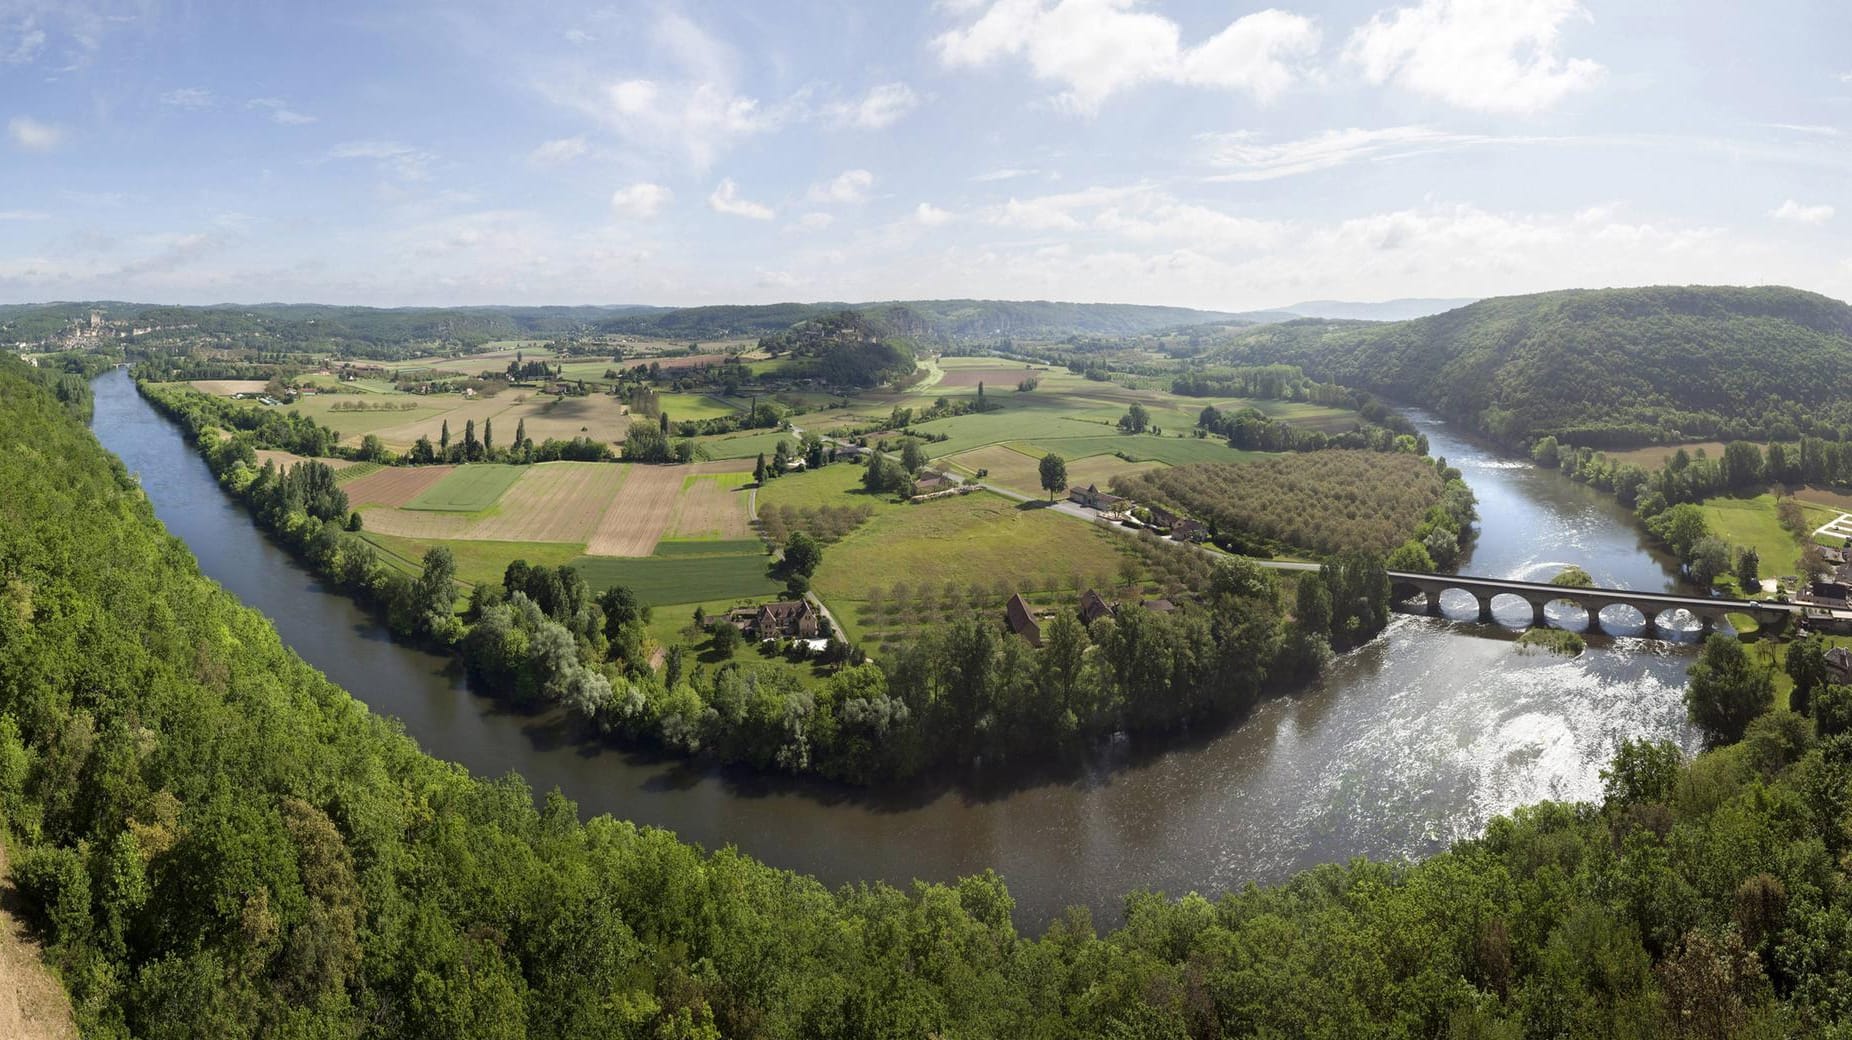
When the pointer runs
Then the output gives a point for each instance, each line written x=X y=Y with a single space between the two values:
x=1408 y=743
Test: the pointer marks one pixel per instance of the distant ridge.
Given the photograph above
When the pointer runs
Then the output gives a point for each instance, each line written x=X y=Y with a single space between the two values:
x=1387 y=310
x=1598 y=368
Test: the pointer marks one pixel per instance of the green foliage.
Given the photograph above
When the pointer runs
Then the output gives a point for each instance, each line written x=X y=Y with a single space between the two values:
x=216 y=841
x=1053 y=472
x=1727 y=690
x=1327 y=502
x=1573 y=577
x=1602 y=368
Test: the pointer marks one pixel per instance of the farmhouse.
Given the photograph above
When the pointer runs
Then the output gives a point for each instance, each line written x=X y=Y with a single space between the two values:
x=789 y=619
x=1021 y=620
x=1159 y=606
x=1839 y=665
x=1093 y=498
x=1093 y=606
x=928 y=482
x=1187 y=530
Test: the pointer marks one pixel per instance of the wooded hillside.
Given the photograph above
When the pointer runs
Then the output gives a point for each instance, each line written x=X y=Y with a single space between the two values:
x=218 y=843
x=1599 y=368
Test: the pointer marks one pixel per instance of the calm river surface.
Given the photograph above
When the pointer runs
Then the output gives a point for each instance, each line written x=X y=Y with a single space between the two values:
x=1410 y=742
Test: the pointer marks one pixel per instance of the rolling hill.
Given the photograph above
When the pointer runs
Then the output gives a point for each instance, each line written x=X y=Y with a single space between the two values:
x=1602 y=368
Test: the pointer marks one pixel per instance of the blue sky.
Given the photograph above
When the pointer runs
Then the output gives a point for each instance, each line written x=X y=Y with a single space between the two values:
x=1217 y=155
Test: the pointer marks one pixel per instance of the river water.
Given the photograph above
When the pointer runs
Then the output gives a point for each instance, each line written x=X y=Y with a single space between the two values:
x=1412 y=741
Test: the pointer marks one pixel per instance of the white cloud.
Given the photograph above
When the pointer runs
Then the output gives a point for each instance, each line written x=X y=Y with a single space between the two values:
x=848 y=186
x=641 y=200
x=33 y=136
x=814 y=222
x=24 y=48
x=883 y=106
x=1484 y=55
x=561 y=150
x=1247 y=159
x=1004 y=175
x=23 y=214
x=579 y=36
x=398 y=160
x=280 y=112
x=726 y=199
x=1141 y=214
x=930 y=215
x=188 y=97
x=1095 y=48
x=1794 y=211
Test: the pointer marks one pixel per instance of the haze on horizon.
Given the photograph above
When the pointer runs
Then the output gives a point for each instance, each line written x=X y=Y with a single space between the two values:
x=1223 y=156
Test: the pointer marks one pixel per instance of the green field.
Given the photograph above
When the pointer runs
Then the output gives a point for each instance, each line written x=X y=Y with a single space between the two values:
x=839 y=484
x=744 y=445
x=477 y=561
x=1752 y=522
x=661 y=580
x=468 y=489
x=705 y=547
x=693 y=406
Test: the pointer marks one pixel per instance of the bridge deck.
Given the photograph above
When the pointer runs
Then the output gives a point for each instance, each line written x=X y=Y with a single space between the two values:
x=1469 y=583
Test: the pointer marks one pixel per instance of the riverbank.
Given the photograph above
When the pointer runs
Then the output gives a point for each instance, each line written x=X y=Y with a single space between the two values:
x=1419 y=737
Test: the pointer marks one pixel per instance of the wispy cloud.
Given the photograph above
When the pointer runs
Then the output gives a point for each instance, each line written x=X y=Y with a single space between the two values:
x=280 y=112
x=188 y=97
x=641 y=200
x=1004 y=175
x=1810 y=129
x=394 y=158
x=849 y=186
x=23 y=214
x=24 y=46
x=882 y=107
x=726 y=199
x=33 y=136
x=558 y=152
x=1245 y=158
x=1800 y=214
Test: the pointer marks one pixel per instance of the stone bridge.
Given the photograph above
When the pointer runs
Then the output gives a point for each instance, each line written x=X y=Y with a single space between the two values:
x=1409 y=585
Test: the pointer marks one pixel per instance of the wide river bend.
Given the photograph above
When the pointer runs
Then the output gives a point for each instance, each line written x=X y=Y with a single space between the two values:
x=1410 y=742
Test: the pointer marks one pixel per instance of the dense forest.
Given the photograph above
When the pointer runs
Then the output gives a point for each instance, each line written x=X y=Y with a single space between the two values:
x=218 y=842
x=844 y=348
x=1597 y=368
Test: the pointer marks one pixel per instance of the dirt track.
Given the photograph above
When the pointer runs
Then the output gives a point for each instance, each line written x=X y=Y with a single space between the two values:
x=33 y=1004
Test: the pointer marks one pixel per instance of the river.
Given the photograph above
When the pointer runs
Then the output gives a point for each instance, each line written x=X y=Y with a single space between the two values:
x=1412 y=741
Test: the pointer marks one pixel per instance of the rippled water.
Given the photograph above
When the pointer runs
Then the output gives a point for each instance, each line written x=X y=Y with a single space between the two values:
x=1414 y=740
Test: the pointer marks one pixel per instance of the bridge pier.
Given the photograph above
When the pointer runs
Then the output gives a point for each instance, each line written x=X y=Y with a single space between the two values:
x=1706 y=625
x=1485 y=609
x=1594 y=617
x=1433 y=603
x=1537 y=617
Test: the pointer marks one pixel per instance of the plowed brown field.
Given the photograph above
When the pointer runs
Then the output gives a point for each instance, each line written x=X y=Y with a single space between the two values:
x=636 y=520
x=394 y=486
x=553 y=502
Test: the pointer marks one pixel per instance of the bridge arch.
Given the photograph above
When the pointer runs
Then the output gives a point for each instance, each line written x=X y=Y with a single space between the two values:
x=1623 y=619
